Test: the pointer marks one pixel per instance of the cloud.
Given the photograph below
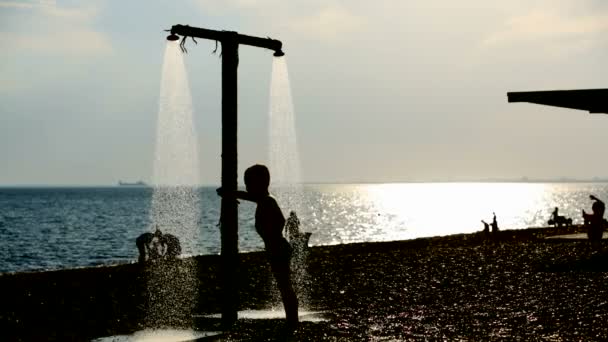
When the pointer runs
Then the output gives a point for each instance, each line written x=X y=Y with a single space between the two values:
x=238 y=7
x=235 y=4
x=329 y=24
x=27 y=4
x=74 y=43
x=315 y=19
x=46 y=28
x=550 y=26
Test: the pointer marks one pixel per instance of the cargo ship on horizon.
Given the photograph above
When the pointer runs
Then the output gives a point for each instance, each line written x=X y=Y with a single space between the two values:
x=138 y=183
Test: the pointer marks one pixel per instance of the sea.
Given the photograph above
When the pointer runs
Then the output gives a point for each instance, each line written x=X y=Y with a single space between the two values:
x=48 y=228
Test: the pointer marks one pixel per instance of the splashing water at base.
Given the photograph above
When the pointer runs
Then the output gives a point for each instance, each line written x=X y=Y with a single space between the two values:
x=284 y=165
x=303 y=315
x=161 y=335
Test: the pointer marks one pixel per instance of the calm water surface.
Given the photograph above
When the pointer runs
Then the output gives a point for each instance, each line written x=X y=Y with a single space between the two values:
x=48 y=228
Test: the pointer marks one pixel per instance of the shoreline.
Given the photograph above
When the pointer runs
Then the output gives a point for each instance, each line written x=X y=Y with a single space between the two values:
x=512 y=233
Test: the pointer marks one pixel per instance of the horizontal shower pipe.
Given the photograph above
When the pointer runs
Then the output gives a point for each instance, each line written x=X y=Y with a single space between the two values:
x=221 y=36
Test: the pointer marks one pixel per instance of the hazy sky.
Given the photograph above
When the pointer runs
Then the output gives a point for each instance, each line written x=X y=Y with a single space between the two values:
x=384 y=90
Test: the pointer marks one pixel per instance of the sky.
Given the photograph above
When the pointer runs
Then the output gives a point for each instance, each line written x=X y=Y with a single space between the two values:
x=383 y=91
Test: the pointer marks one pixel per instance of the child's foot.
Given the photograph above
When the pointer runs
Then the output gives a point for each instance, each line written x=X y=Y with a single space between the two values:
x=292 y=326
x=287 y=332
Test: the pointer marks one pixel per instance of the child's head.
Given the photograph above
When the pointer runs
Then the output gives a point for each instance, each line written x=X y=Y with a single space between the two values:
x=257 y=179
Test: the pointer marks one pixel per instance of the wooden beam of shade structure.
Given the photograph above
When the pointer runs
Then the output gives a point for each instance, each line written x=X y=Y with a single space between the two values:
x=591 y=100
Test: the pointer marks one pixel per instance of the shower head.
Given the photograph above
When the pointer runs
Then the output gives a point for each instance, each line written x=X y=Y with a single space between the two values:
x=172 y=37
x=279 y=53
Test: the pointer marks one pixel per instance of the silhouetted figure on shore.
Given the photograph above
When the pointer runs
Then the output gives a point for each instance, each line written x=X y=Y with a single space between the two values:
x=557 y=220
x=157 y=246
x=594 y=222
x=142 y=242
x=486 y=228
x=555 y=213
x=296 y=238
x=292 y=226
x=149 y=246
x=173 y=248
x=269 y=223
x=494 y=224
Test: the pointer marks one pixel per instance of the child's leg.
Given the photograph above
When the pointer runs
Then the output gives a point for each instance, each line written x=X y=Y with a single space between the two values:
x=282 y=275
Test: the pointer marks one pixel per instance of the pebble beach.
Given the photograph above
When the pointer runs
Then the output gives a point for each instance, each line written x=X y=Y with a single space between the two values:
x=521 y=287
x=516 y=285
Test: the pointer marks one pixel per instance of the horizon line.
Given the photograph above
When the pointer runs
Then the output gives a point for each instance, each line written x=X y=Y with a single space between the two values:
x=485 y=180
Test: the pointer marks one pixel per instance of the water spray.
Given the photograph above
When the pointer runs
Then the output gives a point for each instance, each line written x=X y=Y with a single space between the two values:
x=230 y=42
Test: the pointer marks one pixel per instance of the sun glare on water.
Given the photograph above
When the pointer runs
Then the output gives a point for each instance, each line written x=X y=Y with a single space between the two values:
x=438 y=207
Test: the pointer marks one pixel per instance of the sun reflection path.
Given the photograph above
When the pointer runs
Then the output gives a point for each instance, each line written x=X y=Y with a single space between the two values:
x=446 y=208
x=347 y=213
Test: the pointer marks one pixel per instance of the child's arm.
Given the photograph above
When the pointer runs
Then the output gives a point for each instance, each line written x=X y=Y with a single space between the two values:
x=238 y=194
x=245 y=195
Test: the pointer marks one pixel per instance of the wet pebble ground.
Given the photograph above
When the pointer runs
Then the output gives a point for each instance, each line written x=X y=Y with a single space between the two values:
x=516 y=290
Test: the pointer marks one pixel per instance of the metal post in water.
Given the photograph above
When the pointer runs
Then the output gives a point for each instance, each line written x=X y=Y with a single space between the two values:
x=229 y=212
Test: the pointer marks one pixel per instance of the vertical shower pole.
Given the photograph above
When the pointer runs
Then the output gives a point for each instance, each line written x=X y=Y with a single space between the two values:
x=229 y=210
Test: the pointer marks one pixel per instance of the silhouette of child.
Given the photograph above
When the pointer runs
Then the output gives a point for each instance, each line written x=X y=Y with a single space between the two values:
x=269 y=223
x=595 y=221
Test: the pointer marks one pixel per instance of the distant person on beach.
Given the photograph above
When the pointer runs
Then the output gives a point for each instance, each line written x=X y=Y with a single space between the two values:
x=494 y=224
x=296 y=238
x=172 y=247
x=486 y=228
x=299 y=244
x=555 y=214
x=292 y=226
x=269 y=223
x=150 y=246
x=595 y=222
x=142 y=242
x=157 y=246
x=558 y=220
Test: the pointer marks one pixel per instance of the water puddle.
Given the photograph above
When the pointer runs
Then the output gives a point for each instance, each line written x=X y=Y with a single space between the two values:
x=304 y=315
x=159 y=335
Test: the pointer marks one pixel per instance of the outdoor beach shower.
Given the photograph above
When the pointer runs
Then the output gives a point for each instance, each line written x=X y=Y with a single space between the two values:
x=230 y=42
x=223 y=36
